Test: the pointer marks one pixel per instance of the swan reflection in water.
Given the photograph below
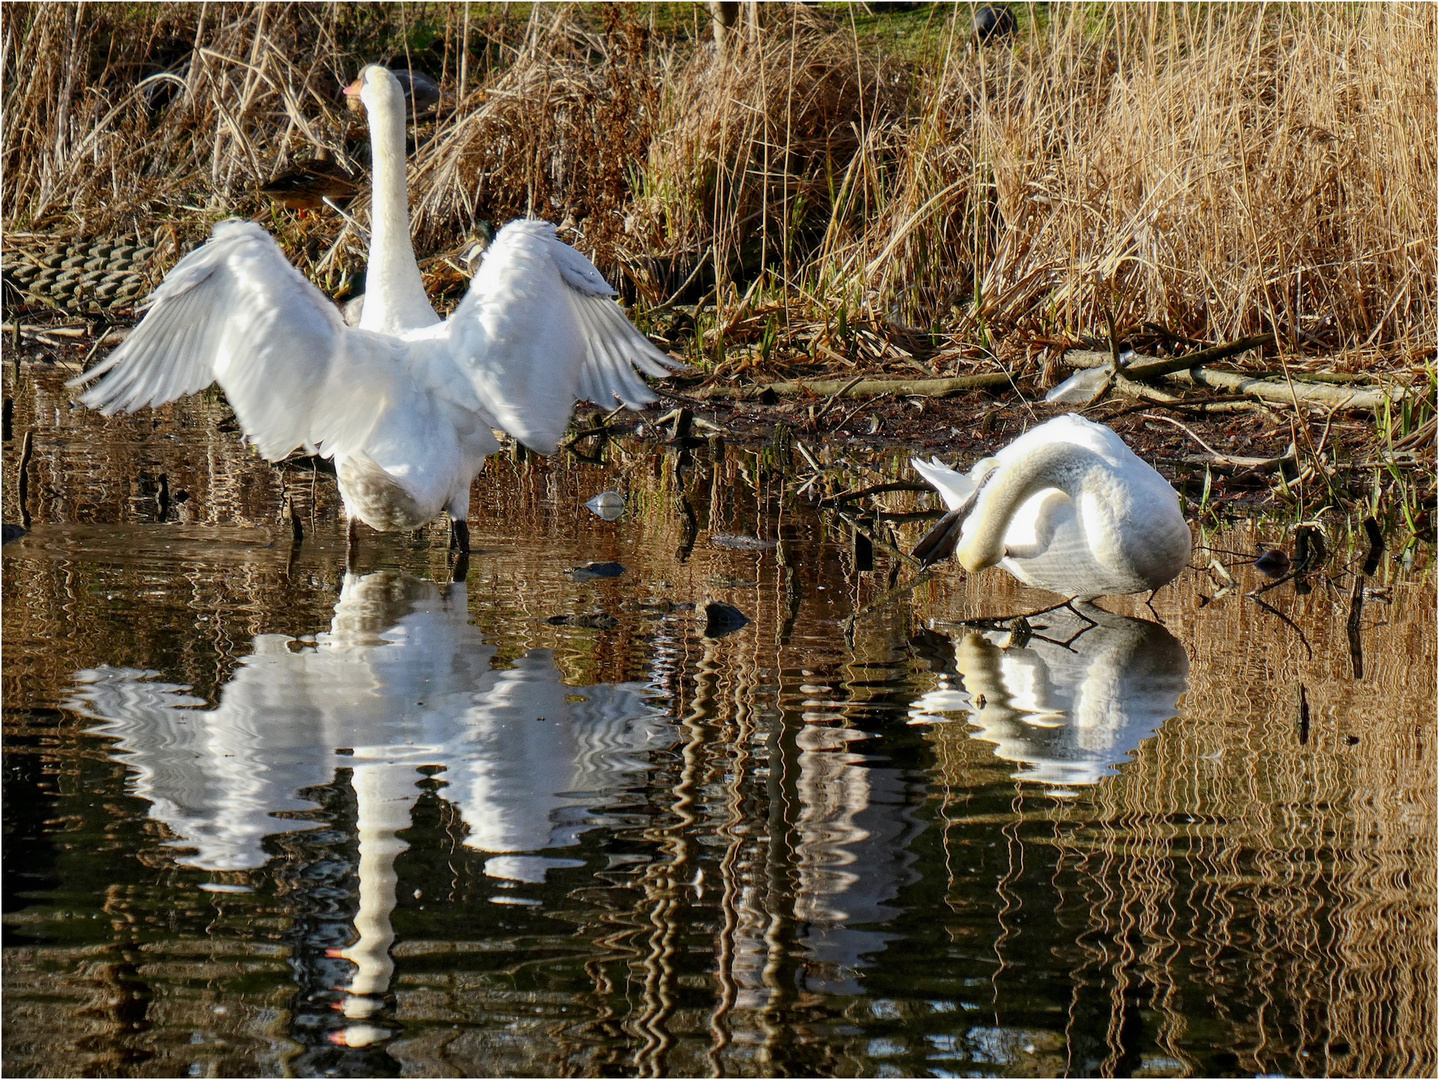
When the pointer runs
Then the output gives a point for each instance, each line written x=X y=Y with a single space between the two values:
x=1072 y=702
x=400 y=681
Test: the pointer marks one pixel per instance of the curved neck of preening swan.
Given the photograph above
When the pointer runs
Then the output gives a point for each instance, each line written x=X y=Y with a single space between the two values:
x=1058 y=465
x=394 y=293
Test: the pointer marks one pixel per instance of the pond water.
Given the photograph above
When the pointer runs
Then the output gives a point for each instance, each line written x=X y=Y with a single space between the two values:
x=266 y=816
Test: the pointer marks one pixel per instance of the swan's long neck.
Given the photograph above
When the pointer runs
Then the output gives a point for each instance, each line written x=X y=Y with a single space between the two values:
x=394 y=293
x=1058 y=465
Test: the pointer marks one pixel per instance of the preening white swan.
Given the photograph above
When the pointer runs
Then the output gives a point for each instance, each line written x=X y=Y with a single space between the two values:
x=1066 y=507
x=404 y=403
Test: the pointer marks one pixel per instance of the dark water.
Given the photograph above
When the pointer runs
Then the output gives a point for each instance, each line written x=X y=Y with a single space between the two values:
x=266 y=817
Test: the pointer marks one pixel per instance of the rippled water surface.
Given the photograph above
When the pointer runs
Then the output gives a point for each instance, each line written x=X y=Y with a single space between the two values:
x=263 y=816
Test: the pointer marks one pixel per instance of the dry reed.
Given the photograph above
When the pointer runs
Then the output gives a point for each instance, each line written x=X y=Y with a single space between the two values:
x=1219 y=170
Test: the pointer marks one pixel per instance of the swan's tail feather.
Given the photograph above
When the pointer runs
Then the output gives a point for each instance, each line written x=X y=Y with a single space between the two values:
x=953 y=486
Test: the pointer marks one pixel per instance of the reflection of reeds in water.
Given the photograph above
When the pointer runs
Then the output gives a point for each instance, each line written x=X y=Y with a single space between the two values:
x=752 y=837
x=87 y=468
x=1284 y=875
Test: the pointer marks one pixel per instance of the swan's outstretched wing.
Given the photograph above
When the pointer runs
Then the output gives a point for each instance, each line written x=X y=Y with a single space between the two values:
x=538 y=329
x=233 y=311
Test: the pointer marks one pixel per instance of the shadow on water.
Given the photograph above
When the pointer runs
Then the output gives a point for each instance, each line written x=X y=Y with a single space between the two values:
x=690 y=815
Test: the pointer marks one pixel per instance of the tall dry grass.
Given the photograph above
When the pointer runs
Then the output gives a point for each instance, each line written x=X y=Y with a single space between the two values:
x=1216 y=169
x=1227 y=169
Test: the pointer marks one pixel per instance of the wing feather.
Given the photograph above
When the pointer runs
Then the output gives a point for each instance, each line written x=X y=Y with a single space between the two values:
x=538 y=329
x=608 y=372
x=233 y=311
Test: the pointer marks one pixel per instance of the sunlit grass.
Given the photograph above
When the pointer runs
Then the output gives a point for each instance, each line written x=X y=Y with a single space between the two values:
x=1215 y=169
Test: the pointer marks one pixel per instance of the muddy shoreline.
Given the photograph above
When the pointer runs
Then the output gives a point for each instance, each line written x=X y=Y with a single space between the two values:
x=1241 y=460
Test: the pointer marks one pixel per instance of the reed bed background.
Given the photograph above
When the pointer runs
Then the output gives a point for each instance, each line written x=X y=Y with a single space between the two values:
x=1215 y=170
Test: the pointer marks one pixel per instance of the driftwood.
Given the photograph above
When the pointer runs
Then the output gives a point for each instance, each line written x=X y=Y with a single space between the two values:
x=1302 y=388
x=1148 y=367
x=859 y=388
x=1298 y=388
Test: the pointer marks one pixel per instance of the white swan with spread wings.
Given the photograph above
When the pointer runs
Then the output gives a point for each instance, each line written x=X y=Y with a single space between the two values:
x=405 y=403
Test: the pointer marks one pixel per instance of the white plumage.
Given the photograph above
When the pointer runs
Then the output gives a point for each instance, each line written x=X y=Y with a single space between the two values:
x=404 y=403
x=1066 y=507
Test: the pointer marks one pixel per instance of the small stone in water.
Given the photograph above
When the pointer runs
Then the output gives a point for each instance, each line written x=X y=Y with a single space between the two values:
x=596 y=620
x=591 y=571
x=1273 y=563
x=722 y=619
x=742 y=543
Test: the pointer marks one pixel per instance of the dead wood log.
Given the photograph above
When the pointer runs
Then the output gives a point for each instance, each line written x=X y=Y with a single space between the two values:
x=1296 y=390
x=862 y=388
x=1300 y=387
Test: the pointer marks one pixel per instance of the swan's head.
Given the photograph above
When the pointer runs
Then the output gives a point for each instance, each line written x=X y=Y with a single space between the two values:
x=974 y=556
x=377 y=90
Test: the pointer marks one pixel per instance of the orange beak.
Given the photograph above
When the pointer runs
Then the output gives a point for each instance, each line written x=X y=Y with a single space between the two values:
x=352 y=95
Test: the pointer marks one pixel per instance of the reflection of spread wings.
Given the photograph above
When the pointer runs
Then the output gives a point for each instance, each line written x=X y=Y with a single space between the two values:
x=217 y=776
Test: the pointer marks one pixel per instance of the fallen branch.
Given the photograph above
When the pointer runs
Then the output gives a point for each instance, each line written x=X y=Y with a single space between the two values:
x=873 y=489
x=1305 y=393
x=32 y=330
x=1233 y=461
x=850 y=388
x=1299 y=388
x=1150 y=367
x=884 y=545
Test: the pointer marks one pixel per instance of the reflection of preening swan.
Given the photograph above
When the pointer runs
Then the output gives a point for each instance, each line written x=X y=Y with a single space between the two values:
x=1071 y=713
x=404 y=404
x=1066 y=507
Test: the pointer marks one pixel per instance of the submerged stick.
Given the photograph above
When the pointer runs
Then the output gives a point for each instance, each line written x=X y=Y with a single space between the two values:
x=27 y=447
x=1351 y=626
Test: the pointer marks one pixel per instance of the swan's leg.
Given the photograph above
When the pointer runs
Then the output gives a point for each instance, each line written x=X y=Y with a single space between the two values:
x=460 y=548
x=1055 y=607
x=459 y=536
x=297 y=531
x=352 y=543
x=1008 y=622
x=1091 y=623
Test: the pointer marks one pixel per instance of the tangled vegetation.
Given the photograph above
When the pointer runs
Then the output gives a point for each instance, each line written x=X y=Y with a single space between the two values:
x=1212 y=170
